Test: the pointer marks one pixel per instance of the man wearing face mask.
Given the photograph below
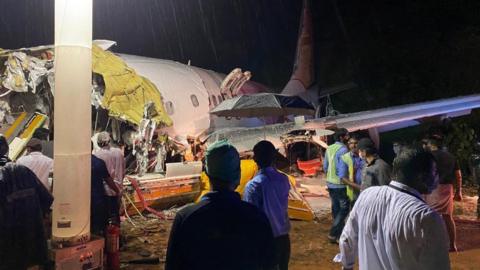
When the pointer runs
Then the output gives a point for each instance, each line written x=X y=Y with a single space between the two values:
x=376 y=172
x=391 y=227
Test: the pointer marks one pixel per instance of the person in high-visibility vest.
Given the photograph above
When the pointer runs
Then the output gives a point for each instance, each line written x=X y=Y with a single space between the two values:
x=336 y=188
x=350 y=169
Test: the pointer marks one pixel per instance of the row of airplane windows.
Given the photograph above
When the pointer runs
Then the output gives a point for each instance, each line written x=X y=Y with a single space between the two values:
x=170 y=109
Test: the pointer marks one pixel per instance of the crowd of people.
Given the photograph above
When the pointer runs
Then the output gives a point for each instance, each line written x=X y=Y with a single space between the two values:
x=404 y=217
x=224 y=232
x=26 y=197
x=385 y=218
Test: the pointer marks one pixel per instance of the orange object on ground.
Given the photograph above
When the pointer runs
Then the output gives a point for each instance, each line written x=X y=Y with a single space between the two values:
x=310 y=167
x=144 y=203
x=153 y=191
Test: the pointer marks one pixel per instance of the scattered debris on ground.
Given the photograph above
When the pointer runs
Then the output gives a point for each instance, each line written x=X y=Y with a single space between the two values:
x=146 y=241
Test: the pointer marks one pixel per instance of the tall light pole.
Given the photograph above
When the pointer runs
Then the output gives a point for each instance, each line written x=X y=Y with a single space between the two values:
x=72 y=121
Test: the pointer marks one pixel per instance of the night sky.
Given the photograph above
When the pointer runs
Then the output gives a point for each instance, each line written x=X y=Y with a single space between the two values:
x=395 y=51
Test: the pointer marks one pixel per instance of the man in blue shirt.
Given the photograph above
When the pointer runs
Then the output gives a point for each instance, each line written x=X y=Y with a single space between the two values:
x=350 y=170
x=269 y=190
x=98 y=200
x=336 y=188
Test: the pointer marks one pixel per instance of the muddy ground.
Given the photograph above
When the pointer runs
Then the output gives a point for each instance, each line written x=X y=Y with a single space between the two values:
x=310 y=248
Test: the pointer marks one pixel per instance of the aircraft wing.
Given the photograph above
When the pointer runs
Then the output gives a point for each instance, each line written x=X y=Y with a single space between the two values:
x=245 y=138
x=384 y=119
x=400 y=116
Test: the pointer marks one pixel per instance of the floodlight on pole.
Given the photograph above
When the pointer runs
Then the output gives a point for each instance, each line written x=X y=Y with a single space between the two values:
x=72 y=121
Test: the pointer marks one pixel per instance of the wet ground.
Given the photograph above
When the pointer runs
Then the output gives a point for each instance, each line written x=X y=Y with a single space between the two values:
x=310 y=248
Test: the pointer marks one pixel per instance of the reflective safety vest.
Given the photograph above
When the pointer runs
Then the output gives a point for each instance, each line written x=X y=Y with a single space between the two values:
x=332 y=176
x=347 y=158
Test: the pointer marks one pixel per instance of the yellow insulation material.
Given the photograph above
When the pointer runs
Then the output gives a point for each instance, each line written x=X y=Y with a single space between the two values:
x=297 y=207
x=126 y=92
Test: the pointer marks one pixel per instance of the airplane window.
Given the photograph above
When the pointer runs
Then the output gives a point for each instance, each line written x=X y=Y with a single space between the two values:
x=214 y=99
x=194 y=100
x=169 y=107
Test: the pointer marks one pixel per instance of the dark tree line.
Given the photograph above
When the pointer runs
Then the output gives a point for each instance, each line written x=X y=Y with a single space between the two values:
x=411 y=51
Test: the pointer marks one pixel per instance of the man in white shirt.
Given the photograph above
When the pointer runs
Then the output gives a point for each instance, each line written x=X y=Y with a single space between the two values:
x=391 y=227
x=115 y=162
x=37 y=162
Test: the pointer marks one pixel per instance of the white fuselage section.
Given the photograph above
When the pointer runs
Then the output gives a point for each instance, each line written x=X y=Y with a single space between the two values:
x=188 y=94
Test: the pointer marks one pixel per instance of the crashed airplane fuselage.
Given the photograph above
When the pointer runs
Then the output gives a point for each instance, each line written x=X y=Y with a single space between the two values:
x=182 y=94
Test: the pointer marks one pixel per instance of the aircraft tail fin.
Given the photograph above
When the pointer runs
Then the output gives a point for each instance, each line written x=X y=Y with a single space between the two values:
x=303 y=74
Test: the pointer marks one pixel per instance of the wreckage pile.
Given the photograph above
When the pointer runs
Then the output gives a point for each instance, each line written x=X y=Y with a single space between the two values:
x=31 y=72
x=124 y=102
x=127 y=104
x=26 y=82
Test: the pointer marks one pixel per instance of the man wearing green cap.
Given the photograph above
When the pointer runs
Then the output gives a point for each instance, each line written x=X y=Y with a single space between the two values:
x=221 y=231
